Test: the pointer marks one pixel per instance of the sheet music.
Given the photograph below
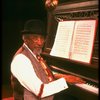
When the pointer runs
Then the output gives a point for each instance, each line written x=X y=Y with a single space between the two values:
x=74 y=40
x=83 y=40
x=63 y=38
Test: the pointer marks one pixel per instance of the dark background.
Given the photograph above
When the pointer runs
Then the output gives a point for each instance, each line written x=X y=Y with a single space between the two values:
x=14 y=14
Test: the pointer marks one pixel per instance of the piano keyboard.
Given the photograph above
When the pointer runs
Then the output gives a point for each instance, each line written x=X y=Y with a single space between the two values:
x=89 y=87
x=85 y=86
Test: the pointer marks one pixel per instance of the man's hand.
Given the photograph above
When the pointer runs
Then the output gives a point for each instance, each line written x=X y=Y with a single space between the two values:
x=70 y=78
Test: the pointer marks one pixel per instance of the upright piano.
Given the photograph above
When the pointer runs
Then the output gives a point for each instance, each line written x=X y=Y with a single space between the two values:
x=74 y=10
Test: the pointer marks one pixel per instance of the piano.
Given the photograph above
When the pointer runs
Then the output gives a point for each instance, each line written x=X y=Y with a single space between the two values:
x=74 y=10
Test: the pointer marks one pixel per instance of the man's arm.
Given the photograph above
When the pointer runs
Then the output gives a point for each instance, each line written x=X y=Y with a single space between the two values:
x=22 y=69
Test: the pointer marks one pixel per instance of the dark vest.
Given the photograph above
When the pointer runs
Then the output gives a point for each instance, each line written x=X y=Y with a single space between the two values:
x=20 y=93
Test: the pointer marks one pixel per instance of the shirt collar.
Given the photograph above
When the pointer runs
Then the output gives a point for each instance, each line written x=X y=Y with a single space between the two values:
x=30 y=51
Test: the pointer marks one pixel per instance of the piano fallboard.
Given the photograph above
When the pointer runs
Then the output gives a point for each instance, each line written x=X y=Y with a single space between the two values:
x=88 y=71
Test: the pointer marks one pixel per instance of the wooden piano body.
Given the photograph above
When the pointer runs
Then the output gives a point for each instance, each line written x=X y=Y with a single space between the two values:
x=89 y=72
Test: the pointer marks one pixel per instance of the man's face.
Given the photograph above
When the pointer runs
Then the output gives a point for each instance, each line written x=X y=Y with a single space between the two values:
x=36 y=43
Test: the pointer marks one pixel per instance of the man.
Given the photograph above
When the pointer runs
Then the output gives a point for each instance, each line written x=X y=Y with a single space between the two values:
x=31 y=78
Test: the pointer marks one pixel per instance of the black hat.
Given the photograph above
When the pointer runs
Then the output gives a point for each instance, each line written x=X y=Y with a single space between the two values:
x=34 y=26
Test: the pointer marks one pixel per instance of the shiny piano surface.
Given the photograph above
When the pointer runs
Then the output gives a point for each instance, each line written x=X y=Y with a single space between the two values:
x=88 y=72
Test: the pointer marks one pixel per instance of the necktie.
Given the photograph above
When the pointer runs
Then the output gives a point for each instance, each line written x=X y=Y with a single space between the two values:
x=46 y=68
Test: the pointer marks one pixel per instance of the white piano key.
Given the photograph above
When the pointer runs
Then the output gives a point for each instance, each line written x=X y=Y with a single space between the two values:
x=89 y=87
